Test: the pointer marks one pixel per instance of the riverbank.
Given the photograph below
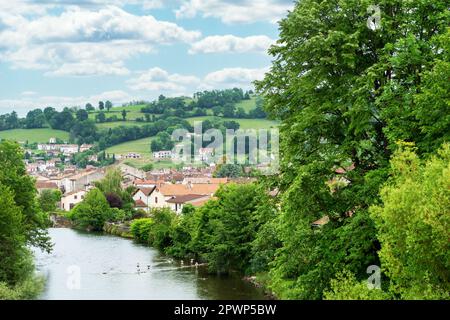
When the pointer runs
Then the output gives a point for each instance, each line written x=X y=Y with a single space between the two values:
x=118 y=229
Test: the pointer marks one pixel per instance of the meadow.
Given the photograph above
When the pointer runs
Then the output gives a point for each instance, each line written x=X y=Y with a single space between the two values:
x=33 y=135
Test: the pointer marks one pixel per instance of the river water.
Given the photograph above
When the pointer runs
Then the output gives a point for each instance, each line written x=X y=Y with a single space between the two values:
x=99 y=266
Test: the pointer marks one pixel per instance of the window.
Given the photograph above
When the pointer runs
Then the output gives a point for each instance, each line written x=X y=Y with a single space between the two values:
x=75 y=197
x=156 y=199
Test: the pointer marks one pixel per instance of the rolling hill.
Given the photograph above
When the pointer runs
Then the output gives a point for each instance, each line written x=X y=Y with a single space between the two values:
x=33 y=135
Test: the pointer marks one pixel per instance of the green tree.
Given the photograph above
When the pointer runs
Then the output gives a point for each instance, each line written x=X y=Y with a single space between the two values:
x=35 y=119
x=347 y=287
x=14 y=257
x=124 y=115
x=100 y=117
x=148 y=167
x=89 y=107
x=413 y=225
x=82 y=115
x=101 y=105
x=23 y=188
x=229 y=170
x=48 y=200
x=344 y=94
x=93 y=212
x=108 y=105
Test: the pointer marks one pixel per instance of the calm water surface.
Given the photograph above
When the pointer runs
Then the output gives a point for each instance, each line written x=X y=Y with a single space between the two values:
x=108 y=269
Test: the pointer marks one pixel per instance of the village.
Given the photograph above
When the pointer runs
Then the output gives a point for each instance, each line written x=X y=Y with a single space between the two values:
x=158 y=188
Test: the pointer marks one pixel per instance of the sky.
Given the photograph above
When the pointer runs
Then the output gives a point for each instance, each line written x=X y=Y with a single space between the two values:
x=67 y=53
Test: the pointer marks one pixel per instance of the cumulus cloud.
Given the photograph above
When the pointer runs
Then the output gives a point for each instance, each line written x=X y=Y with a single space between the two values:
x=156 y=81
x=160 y=81
x=236 y=11
x=230 y=77
x=80 y=37
x=231 y=44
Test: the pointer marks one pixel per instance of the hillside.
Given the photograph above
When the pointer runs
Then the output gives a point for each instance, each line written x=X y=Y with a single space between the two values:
x=134 y=112
x=34 y=135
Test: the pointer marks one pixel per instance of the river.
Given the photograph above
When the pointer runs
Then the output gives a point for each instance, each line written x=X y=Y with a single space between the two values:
x=99 y=266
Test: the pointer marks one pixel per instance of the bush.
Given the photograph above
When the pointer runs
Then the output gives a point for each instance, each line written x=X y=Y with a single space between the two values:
x=140 y=229
x=27 y=289
x=346 y=287
x=93 y=212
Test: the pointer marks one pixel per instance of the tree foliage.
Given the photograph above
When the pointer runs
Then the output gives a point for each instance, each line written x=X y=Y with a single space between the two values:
x=413 y=225
x=345 y=94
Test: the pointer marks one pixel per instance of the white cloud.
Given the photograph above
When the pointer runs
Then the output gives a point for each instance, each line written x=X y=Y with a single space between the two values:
x=234 y=77
x=231 y=44
x=157 y=80
x=236 y=11
x=28 y=93
x=23 y=105
x=80 y=37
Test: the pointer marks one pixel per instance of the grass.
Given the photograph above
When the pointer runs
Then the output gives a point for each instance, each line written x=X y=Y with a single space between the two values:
x=34 y=135
x=141 y=146
x=247 y=105
x=244 y=123
x=107 y=125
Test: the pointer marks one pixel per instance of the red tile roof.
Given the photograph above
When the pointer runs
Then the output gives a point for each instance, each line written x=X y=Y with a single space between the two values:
x=146 y=191
x=185 y=198
x=46 y=185
x=140 y=204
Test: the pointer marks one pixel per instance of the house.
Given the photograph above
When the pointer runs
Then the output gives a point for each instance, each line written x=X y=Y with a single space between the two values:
x=204 y=154
x=204 y=180
x=68 y=149
x=132 y=155
x=177 y=203
x=129 y=172
x=45 y=185
x=85 y=147
x=80 y=181
x=163 y=154
x=174 y=196
x=141 y=198
x=71 y=199
x=52 y=140
x=321 y=222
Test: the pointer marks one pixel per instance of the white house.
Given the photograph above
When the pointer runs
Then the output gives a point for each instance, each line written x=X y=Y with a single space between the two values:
x=163 y=154
x=204 y=154
x=71 y=199
x=141 y=198
x=178 y=202
x=68 y=149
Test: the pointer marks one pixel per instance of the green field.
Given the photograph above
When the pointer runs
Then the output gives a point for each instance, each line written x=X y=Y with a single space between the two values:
x=141 y=146
x=244 y=123
x=247 y=105
x=34 y=135
x=107 y=125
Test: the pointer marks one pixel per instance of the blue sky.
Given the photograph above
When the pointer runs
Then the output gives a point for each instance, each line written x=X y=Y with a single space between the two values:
x=66 y=53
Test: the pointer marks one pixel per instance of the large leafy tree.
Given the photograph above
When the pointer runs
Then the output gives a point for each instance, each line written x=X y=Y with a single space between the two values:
x=344 y=94
x=22 y=188
x=414 y=225
x=14 y=263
